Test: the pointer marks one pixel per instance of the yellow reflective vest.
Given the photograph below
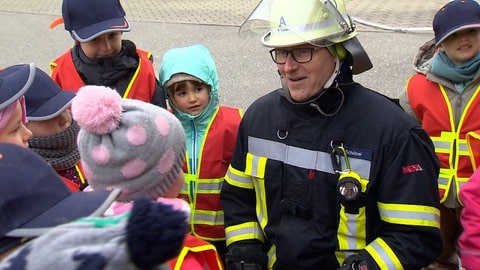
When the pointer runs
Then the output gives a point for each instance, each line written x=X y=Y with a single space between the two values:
x=430 y=103
x=202 y=190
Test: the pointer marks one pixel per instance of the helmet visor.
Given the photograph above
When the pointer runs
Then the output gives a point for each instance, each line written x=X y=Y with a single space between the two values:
x=292 y=22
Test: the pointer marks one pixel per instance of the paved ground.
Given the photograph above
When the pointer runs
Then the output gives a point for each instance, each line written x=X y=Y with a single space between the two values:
x=390 y=30
x=412 y=13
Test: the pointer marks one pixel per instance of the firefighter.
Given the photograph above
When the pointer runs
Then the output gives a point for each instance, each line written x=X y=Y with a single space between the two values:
x=327 y=174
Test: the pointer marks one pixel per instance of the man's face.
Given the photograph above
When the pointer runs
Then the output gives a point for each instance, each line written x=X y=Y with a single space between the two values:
x=304 y=80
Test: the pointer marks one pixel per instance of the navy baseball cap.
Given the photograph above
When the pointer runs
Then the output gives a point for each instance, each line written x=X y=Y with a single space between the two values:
x=88 y=19
x=33 y=197
x=14 y=82
x=45 y=99
x=454 y=16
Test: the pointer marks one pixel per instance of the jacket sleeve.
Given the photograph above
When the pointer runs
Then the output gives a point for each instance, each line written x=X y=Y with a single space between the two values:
x=158 y=96
x=405 y=102
x=408 y=205
x=238 y=197
x=469 y=241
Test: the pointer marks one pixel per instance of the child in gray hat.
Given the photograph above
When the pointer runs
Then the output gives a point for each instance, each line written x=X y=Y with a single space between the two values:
x=34 y=203
x=139 y=148
x=128 y=144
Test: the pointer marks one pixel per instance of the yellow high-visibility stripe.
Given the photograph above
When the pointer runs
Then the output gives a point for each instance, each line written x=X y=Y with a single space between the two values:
x=80 y=174
x=244 y=231
x=207 y=217
x=255 y=165
x=383 y=255
x=407 y=214
x=238 y=178
x=272 y=256
x=134 y=78
x=351 y=233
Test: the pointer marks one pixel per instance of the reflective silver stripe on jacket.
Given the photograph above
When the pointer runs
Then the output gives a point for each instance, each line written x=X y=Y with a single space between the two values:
x=303 y=158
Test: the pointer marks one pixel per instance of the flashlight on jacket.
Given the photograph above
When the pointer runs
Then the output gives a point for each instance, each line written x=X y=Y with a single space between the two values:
x=349 y=187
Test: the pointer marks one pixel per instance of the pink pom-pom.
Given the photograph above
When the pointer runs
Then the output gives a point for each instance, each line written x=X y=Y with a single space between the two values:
x=97 y=109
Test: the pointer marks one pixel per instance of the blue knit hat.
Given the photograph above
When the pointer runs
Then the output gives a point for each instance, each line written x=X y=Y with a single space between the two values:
x=455 y=16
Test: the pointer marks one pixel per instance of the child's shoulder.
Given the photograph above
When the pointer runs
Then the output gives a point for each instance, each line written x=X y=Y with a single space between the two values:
x=228 y=108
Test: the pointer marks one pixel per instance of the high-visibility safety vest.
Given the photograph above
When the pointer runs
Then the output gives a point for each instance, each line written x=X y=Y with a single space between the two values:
x=430 y=103
x=217 y=148
x=473 y=142
x=72 y=185
x=196 y=254
x=140 y=87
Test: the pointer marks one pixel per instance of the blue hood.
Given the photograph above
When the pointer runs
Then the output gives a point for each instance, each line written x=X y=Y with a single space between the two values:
x=197 y=61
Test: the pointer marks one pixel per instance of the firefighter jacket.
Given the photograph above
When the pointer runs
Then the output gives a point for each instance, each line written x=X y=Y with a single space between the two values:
x=196 y=254
x=202 y=188
x=430 y=103
x=281 y=186
x=142 y=85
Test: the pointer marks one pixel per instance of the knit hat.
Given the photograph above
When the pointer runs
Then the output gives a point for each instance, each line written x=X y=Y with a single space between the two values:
x=88 y=19
x=454 y=16
x=144 y=238
x=14 y=82
x=45 y=99
x=33 y=197
x=126 y=143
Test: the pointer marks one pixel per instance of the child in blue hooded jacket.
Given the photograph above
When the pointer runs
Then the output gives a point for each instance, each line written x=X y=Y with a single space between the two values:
x=190 y=81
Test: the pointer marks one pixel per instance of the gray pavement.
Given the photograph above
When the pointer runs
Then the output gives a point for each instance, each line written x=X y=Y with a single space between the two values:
x=390 y=30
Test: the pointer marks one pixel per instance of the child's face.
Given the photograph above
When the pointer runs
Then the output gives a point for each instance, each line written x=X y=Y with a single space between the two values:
x=190 y=97
x=15 y=131
x=51 y=126
x=176 y=187
x=462 y=45
x=106 y=45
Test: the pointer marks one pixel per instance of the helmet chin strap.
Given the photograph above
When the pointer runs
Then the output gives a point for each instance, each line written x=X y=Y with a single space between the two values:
x=328 y=84
x=334 y=75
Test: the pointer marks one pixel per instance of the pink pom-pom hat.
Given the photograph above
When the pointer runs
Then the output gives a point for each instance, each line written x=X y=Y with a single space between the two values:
x=128 y=144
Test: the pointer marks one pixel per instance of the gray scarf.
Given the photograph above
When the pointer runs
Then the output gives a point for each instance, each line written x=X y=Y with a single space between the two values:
x=60 y=150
